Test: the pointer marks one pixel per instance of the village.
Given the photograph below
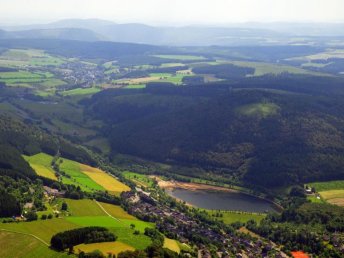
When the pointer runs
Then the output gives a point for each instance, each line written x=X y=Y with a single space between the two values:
x=187 y=229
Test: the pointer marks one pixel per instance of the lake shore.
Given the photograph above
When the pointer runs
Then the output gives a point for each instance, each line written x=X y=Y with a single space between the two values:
x=191 y=186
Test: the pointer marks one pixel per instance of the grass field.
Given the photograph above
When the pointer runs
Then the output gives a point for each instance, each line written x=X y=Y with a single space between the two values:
x=172 y=245
x=108 y=182
x=43 y=229
x=258 y=109
x=73 y=169
x=41 y=163
x=229 y=217
x=330 y=185
x=135 y=86
x=80 y=91
x=331 y=191
x=266 y=68
x=106 y=221
x=15 y=245
x=139 y=179
x=84 y=207
x=87 y=213
x=181 y=57
x=117 y=211
x=29 y=57
x=106 y=248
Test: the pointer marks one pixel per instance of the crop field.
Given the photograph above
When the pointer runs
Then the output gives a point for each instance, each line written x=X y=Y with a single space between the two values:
x=106 y=221
x=325 y=186
x=139 y=179
x=171 y=244
x=80 y=91
x=41 y=163
x=43 y=229
x=229 y=217
x=135 y=86
x=84 y=207
x=29 y=57
x=258 y=109
x=105 y=180
x=330 y=53
x=116 y=211
x=106 y=248
x=181 y=57
x=73 y=169
x=266 y=68
x=86 y=213
x=331 y=191
x=17 y=245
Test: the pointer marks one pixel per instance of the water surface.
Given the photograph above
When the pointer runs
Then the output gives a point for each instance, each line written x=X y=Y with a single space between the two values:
x=222 y=200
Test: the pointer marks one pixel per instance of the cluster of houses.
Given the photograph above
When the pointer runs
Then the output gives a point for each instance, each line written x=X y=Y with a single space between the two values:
x=186 y=229
x=80 y=74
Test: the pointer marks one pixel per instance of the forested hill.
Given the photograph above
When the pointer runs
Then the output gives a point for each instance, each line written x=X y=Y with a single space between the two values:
x=17 y=138
x=82 y=49
x=242 y=131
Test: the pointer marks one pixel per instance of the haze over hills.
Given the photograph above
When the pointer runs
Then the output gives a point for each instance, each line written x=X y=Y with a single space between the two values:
x=232 y=34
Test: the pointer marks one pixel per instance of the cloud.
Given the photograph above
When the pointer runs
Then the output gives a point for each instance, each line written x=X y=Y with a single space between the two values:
x=174 y=11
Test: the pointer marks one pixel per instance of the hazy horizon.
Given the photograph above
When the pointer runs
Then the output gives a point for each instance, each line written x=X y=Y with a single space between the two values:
x=178 y=13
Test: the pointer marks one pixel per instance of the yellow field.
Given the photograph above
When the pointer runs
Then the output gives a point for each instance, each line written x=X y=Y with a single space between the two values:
x=116 y=211
x=105 y=248
x=172 y=245
x=41 y=163
x=333 y=196
x=110 y=183
x=44 y=171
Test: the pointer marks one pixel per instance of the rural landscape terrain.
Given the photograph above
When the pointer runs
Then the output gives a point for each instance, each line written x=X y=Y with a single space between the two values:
x=225 y=148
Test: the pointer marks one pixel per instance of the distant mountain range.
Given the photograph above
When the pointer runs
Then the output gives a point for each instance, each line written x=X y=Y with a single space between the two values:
x=234 y=34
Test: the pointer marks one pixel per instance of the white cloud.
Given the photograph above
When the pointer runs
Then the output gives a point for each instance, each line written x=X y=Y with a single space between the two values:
x=174 y=11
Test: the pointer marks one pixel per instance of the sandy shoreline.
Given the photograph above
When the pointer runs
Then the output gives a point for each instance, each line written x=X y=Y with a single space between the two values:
x=190 y=186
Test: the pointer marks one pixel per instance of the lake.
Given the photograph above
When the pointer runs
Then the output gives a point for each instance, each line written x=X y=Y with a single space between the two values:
x=212 y=200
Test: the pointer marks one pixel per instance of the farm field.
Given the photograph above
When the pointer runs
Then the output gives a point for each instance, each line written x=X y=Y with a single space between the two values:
x=88 y=178
x=17 y=245
x=229 y=217
x=135 y=86
x=80 y=91
x=41 y=163
x=105 y=180
x=106 y=248
x=29 y=57
x=116 y=211
x=139 y=179
x=83 y=213
x=84 y=207
x=106 y=221
x=72 y=169
x=331 y=191
x=181 y=57
x=172 y=245
x=266 y=68
x=43 y=229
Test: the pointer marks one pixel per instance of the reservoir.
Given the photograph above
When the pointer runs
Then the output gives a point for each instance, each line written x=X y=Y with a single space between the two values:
x=216 y=200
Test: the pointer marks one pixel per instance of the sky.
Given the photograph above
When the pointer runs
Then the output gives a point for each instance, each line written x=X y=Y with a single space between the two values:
x=179 y=12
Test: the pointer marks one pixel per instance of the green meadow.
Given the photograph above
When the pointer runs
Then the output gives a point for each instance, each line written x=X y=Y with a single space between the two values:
x=41 y=163
x=181 y=57
x=25 y=246
x=229 y=217
x=80 y=91
x=139 y=179
x=258 y=109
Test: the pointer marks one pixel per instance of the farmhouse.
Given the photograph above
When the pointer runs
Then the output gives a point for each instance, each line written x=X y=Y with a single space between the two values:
x=53 y=192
